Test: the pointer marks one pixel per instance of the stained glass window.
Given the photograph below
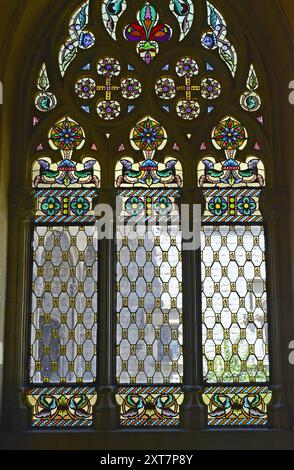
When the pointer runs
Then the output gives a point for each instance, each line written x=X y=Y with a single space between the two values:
x=65 y=283
x=234 y=299
x=149 y=283
x=141 y=106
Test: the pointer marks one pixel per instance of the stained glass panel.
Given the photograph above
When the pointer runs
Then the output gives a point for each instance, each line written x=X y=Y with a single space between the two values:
x=149 y=309
x=190 y=85
x=79 y=37
x=250 y=100
x=216 y=38
x=150 y=406
x=234 y=304
x=64 y=305
x=237 y=406
x=62 y=407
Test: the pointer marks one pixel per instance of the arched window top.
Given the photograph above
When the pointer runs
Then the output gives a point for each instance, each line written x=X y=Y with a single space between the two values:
x=185 y=90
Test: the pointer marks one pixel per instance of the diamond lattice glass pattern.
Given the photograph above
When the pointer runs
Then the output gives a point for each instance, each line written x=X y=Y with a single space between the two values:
x=149 y=309
x=235 y=329
x=64 y=305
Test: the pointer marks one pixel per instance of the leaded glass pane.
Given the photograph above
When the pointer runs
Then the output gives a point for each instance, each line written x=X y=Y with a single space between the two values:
x=149 y=308
x=64 y=305
x=234 y=304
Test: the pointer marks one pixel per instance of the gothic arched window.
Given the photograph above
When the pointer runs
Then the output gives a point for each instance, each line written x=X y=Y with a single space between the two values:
x=150 y=118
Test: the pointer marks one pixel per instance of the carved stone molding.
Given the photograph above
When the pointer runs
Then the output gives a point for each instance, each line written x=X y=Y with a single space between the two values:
x=21 y=204
x=275 y=202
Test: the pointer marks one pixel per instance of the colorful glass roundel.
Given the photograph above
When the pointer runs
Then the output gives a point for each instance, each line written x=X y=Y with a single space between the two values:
x=85 y=88
x=148 y=135
x=108 y=109
x=108 y=67
x=131 y=88
x=165 y=88
x=187 y=67
x=229 y=134
x=210 y=88
x=66 y=135
x=188 y=109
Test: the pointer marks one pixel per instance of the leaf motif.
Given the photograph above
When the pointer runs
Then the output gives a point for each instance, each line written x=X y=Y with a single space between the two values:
x=43 y=81
x=212 y=17
x=83 y=16
x=230 y=58
x=67 y=57
x=148 y=16
x=252 y=82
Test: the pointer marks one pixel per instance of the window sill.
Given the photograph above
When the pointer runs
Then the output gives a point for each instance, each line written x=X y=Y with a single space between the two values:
x=163 y=439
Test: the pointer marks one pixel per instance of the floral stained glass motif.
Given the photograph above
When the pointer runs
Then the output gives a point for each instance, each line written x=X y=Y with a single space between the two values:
x=235 y=205
x=108 y=108
x=187 y=108
x=131 y=88
x=229 y=135
x=149 y=137
x=66 y=136
x=184 y=12
x=210 y=88
x=216 y=38
x=142 y=205
x=165 y=88
x=79 y=37
x=147 y=32
x=111 y=12
x=62 y=407
x=150 y=406
x=250 y=100
x=237 y=405
x=44 y=100
x=231 y=188
x=64 y=206
x=85 y=88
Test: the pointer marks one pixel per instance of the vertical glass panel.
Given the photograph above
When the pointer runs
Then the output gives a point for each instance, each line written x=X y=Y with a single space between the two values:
x=64 y=305
x=234 y=304
x=149 y=308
